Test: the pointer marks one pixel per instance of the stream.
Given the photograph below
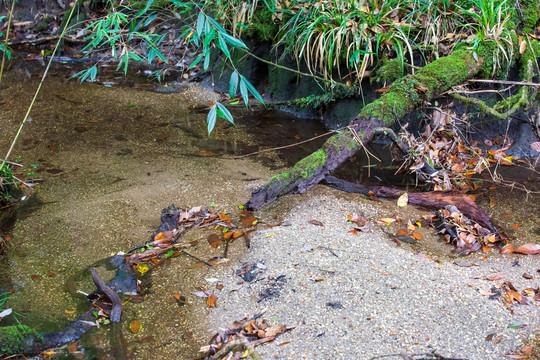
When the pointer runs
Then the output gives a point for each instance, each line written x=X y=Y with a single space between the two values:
x=108 y=160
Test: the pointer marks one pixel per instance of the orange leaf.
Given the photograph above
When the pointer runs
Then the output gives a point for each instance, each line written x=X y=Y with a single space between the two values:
x=402 y=232
x=417 y=235
x=529 y=249
x=527 y=349
x=515 y=226
x=227 y=235
x=160 y=236
x=496 y=277
x=353 y=231
x=214 y=240
x=248 y=221
x=225 y=217
x=211 y=301
x=237 y=234
x=507 y=249
x=177 y=296
x=135 y=326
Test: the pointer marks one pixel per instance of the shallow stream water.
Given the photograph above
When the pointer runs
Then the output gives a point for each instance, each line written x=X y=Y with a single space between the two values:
x=109 y=159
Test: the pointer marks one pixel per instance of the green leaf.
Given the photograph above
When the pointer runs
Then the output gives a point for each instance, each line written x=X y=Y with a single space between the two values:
x=200 y=23
x=226 y=114
x=233 y=84
x=253 y=90
x=211 y=118
x=196 y=61
x=244 y=91
x=206 y=60
x=223 y=46
x=234 y=41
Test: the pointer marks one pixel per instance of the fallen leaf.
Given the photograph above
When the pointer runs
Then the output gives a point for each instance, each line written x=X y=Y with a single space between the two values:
x=220 y=286
x=516 y=356
x=515 y=226
x=275 y=330
x=496 y=277
x=387 y=220
x=513 y=295
x=417 y=235
x=248 y=221
x=527 y=276
x=492 y=202
x=225 y=236
x=5 y=313
x=49 y=273
x=135 y=326
x=529 y=249
x=237 y=234
x=146 y=339
x=353 y=231
x=403 y=200
x=402 y=232
x=315 y=222
x=214 y=240
x=225 y=218
x=201 y=294
x=507 y=249
x=211 y=302
x=142 y=268
x=527 y=349
x=177 y=296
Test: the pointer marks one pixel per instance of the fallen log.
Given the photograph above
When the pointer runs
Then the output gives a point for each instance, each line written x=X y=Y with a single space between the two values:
x=431 y=200
x=403 y=96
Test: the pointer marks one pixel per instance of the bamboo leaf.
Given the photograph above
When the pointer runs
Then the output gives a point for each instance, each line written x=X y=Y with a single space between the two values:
x=253 y=90
x=200 y=23
x=223 y=46
x=211 y=118
x=244 y=91
x=233 y=84
x=226 y=114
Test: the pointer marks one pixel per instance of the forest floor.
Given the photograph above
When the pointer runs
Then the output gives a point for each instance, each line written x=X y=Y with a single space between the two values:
x=364 y=297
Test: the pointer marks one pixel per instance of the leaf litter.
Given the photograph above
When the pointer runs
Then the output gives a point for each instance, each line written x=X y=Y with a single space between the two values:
x=242 y=337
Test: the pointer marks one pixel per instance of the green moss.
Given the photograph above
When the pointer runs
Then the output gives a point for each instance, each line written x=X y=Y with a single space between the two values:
x=390 y=70
x=339 y=141
x=530 y=15
x=305 y=168
x=506 y=104
x=262 y=25
x=15 y=339
x=530 y=54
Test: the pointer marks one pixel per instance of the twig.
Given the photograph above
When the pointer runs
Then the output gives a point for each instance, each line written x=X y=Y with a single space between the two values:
x=12 y=163
x=287 y=146
x=116 y=312
x=524 y=83
x=196 y=258
x=7 y=37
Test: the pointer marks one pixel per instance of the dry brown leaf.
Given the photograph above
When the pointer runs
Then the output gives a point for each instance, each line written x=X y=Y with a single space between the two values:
x=214 y=240
x=507 y=249
x=135 y=326
x=237 y=234
x=529 y=249
x=315 y=222
x=402 y=232
x=353 y=231
x=527 y=349
x=496 y=277
x=211 y=301
x=248 y=221
x=513 y=295
x=227 y=235
x=387 y=220
x=517 y=356
x=417 y=235
x=515 y=226
x=403 y=200
x=492 y=202
x=276 y=329
x=225 y=218
x=522 y=47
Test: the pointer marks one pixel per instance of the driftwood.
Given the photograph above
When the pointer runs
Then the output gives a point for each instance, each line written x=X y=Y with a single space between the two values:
x=116 y=312
x=430 y=200
x=403 y=96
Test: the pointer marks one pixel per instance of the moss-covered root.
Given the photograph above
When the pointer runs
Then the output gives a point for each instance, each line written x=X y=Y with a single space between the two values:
x=19 y=339
x=403 y=96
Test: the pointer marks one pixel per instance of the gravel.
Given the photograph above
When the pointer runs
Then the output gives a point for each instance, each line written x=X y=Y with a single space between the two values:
x=362 y=296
